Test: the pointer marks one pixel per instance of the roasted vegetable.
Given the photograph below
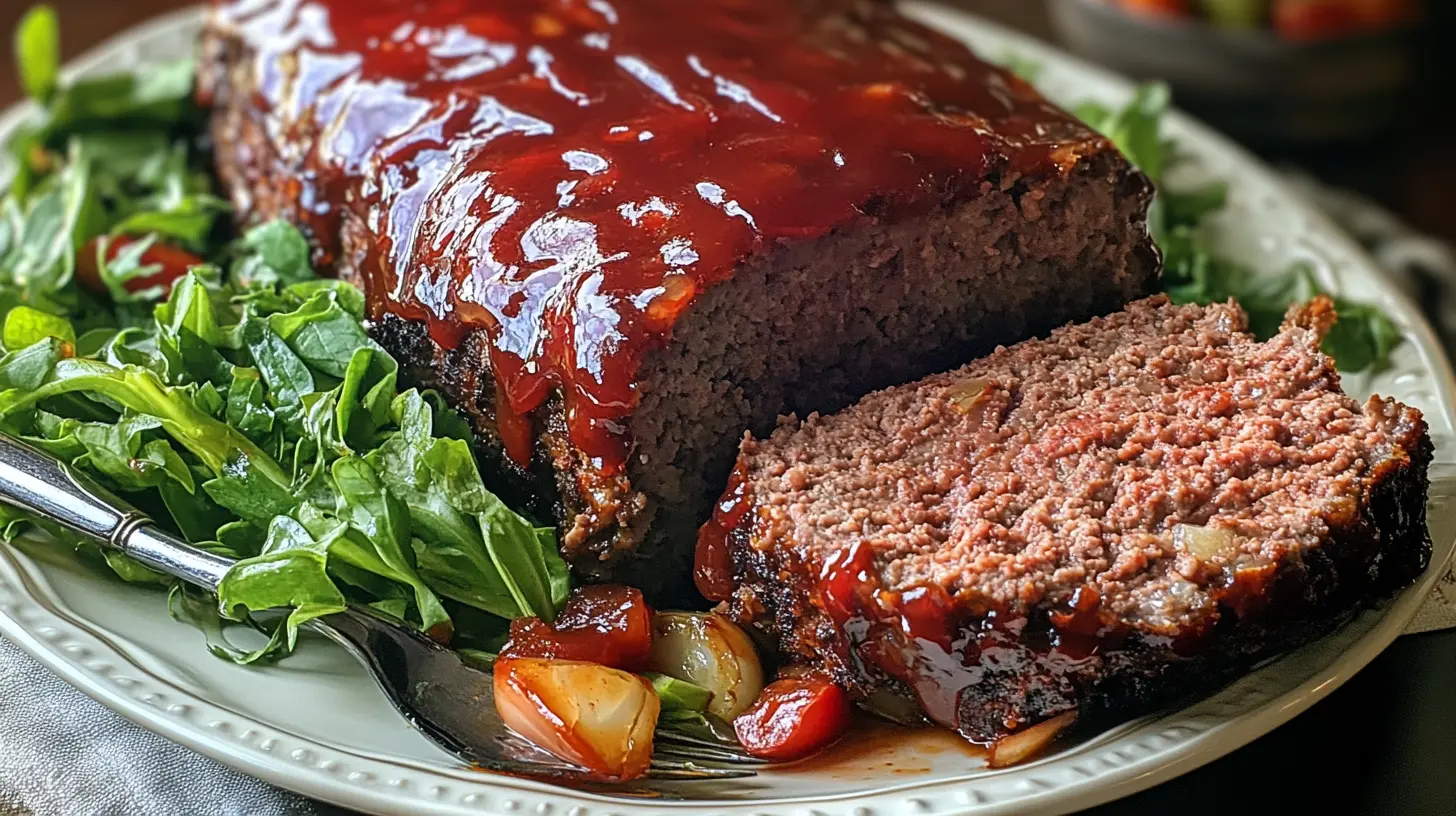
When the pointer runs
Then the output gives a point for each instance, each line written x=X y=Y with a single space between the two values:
x=596 y=717
x=710 y=651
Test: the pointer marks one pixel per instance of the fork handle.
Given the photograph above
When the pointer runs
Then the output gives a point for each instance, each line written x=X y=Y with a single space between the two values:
x=39 y=483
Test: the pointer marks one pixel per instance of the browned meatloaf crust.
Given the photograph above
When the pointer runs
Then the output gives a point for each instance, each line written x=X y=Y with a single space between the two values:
x=1095 y=522
x=1012 y=217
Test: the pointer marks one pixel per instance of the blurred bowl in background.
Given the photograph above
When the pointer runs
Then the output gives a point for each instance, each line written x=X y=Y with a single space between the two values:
x=1255 y=83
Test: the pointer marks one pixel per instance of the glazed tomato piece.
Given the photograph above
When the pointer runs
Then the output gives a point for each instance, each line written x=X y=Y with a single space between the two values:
x=608 y=624
x=172 y=264
x=713 y=563
x=598 y=718
x=793 y=718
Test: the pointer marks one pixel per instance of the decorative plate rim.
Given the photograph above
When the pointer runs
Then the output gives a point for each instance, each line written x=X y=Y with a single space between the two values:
x=1101 y=769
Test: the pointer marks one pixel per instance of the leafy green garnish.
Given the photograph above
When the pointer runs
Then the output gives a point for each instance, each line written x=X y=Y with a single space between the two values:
x=38 y=52
x=679 y=695
x=25 y=326
x=268 y=408
x=1195 y=272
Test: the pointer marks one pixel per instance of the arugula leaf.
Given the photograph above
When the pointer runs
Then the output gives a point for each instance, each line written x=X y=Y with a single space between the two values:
x=1362 y=338
x=38 y=52
x=558 y=575
x=28 y=368
x=248 y=492
x=369 y=383
x=322 y=333
x=25 y=326
x=471 y=547
x=56 y=220
x=133 y=571
x=384 y=520
x=159 y=96
x=290 y=572
x=287 y=376
x=275 y=252
x=190 y=307
x=246 y=404
x=1136 y=128
x=196 y=516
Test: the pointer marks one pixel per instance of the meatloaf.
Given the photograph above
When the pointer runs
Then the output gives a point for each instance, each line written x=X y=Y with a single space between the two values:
x=1124 y=512
x=618 y=234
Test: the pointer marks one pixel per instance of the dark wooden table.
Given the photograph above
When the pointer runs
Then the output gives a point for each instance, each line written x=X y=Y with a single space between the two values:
x=1383 y=744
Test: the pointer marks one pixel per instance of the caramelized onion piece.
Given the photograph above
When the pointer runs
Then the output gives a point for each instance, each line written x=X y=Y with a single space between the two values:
x=964 y=394
x=596 y=717
x=1025 y=744
x=1206 y=543
x=711 y=651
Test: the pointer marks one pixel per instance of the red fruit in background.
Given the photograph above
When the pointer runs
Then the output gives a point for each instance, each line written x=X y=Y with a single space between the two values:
x=1307 y=20
x=1159 y=8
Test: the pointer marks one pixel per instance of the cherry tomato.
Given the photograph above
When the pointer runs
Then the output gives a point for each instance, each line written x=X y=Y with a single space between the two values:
x=172 y=264
x=607 y=624
x=793 y=718
x=713 y=563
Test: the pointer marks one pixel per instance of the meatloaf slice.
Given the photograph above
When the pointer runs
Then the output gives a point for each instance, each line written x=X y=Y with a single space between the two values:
x=620 y=234
x=1094 y=522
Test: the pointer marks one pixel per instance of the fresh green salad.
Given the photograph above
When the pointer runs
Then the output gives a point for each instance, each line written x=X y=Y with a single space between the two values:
x=217 y=383
x=213 y=380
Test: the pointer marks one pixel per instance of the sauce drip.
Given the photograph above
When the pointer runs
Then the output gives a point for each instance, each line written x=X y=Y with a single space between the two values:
x=713 y=558
x=568 y=175
x=921 y=638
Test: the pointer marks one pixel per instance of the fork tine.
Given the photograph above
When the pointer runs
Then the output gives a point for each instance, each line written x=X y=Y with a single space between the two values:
x=686 y=769
x=679 y=738
x=692 y=773
x=664 y=770
x=696 y=752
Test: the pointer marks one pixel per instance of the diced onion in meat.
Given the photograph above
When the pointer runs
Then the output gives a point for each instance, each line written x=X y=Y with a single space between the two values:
x=1206 y=543
x=964 y=394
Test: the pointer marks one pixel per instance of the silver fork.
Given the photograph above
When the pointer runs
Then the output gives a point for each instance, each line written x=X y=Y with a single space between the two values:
x=447 y=699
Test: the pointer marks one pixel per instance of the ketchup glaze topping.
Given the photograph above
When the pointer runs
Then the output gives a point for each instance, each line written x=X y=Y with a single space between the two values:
x=569 y=175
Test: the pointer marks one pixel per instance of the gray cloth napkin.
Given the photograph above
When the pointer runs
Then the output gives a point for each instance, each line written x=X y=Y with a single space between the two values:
x=63 y=754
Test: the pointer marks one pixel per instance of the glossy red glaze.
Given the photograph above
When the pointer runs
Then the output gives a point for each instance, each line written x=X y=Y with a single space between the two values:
x=569 y=175
x=713 y=560
x=514 y=429
x=171 y=262
x=923 y=639
x=793 y=718
x=607 y=624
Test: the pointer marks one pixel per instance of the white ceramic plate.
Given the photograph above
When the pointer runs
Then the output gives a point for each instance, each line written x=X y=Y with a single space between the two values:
x=317 y=725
